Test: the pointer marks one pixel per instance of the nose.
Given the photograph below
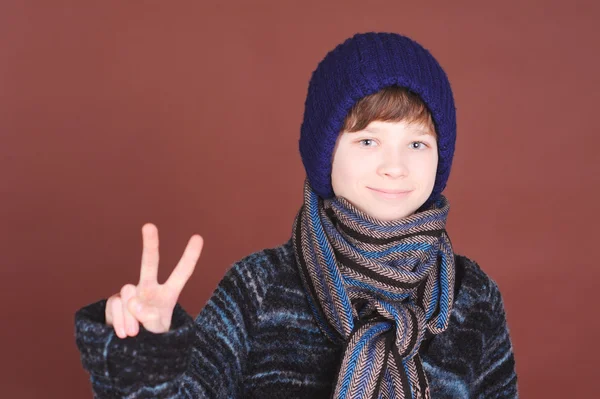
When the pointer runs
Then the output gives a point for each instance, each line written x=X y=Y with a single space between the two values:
x=393 y=165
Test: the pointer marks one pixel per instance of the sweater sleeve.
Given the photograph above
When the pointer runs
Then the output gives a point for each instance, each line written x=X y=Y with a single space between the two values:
x=496 y=375
x=204 y=358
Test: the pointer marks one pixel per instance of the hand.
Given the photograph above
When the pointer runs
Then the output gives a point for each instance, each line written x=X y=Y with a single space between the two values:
x=151 y=303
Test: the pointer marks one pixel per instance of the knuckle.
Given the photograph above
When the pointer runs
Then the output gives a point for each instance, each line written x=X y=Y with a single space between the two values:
x=113 y=297
x=117 y=305
x=127 y=290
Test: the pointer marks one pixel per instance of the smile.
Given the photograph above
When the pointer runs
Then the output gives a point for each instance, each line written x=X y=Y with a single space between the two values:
x=390 y=194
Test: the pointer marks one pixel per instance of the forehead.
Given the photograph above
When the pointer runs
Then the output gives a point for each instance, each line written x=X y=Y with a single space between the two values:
x=416 y=128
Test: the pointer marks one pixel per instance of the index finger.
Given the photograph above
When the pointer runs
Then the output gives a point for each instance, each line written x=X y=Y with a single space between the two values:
x=186 y=265
x=149 y=270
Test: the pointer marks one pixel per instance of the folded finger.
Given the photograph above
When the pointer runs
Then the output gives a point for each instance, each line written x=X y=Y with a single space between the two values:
x=131 y=324
x=117 y=318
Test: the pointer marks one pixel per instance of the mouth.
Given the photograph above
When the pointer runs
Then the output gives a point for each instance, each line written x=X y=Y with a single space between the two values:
x=389 y=193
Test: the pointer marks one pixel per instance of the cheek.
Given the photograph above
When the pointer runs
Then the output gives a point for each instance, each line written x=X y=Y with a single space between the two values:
x=347 y=170
x=341 y=173
x=427 y=169
x=356 y=169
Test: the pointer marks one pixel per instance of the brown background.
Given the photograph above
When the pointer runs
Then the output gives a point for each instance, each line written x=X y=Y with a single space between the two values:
x=187 y=115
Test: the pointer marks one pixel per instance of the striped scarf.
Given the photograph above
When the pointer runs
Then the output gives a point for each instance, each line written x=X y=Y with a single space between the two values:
x=376 y=287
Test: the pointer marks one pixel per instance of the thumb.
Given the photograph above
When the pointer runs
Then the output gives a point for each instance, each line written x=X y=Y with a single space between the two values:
x=146 y=315
x=136 y=308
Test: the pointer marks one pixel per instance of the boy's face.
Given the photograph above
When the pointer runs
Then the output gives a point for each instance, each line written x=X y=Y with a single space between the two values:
x=386 y=170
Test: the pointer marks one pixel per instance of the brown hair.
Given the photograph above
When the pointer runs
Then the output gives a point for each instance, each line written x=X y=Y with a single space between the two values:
x=390 y=104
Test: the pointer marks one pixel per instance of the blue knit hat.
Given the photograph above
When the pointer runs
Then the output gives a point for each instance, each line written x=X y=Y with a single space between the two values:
x=360 y=66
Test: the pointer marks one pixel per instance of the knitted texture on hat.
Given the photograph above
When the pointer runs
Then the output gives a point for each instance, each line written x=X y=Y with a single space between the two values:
x=360 y=66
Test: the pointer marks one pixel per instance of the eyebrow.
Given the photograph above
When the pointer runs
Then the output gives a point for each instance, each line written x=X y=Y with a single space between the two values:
x=425 y=133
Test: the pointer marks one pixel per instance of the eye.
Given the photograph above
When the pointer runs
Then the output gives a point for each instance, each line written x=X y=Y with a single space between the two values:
x=366 y=142
x=418 y=142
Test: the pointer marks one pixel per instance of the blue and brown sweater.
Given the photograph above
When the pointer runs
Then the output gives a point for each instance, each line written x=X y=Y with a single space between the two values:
x=256 y=338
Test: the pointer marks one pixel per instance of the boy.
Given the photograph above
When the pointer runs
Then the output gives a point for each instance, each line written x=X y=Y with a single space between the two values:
x=366 y=300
